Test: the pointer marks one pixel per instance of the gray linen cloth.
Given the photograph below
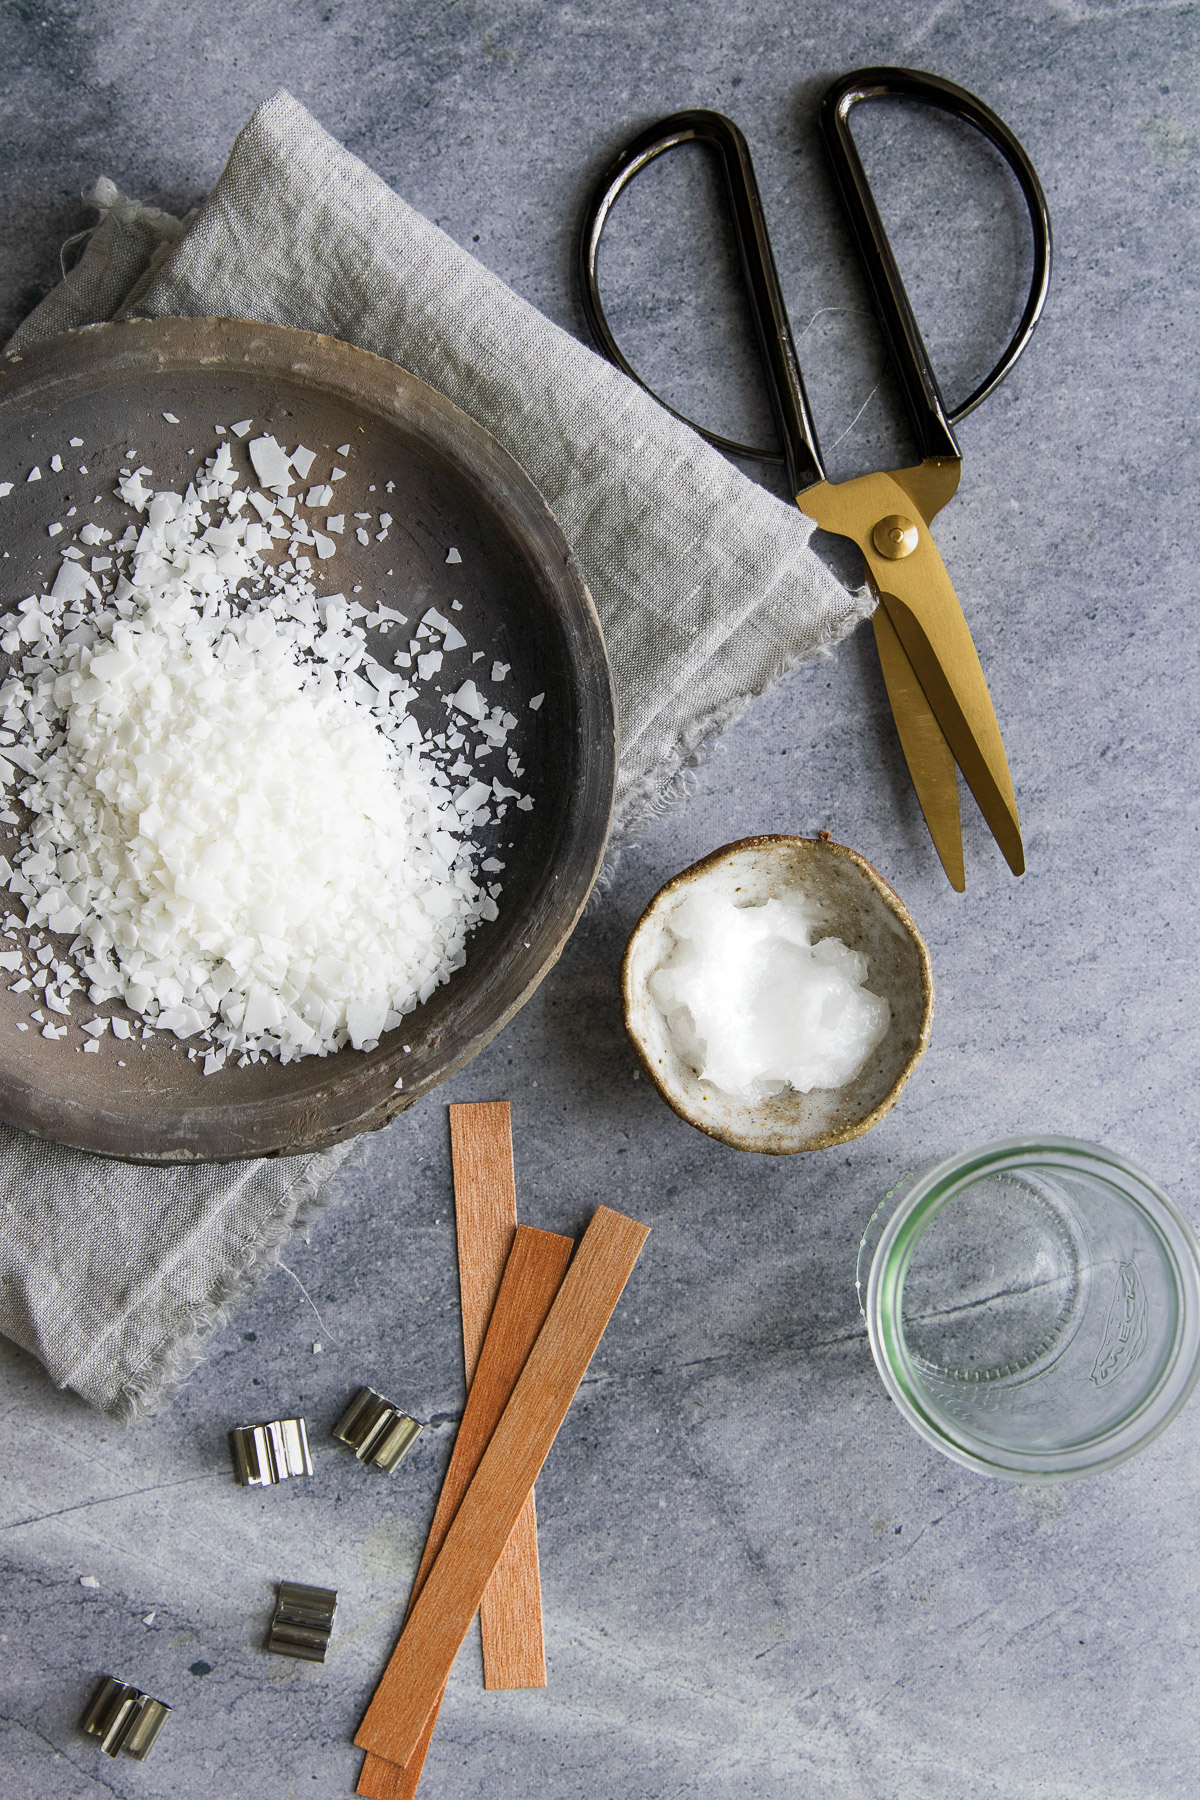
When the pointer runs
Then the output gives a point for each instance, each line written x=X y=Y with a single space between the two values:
x=705 y=585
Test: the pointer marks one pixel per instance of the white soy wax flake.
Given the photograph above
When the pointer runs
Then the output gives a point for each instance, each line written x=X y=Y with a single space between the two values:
x=500 y=670
x=303 y=460
x=336 y=474
x=88 y=1581
x=242 y=427
x=53 y=530
x=343 y=449
x=170 y=418
x=272 y=464
x=535 y=703
x=56 y=463
x=6 y=488
x=75 y=443
x=452 y=555
x=35 y=474
x=92 y=1048
x=452 y=637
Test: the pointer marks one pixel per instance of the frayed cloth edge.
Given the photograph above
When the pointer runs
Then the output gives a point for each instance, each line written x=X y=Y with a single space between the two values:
x=164 y=1371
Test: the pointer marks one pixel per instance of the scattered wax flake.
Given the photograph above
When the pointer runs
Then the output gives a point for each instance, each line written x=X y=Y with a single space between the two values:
x=53 y=530
x=362 y=536
x=500 y=670
x=536 y=702
x=242 y=427
x=343 y=449
x=397 y=1084
x=318 y=1349
x=96 y=1027
x=385 y=520
x=88 y=1581
x=455 y=606
x=56 y=463
x=303 y=460
x=525 y=805
x=429 y=664
x=76 y=443
x=149 y=1618
x=35 y=474
x=452 y=637
x=324 y=546
x=319 y=496
x=452 y=555
x=133 y=490
x=272 y=464
x=470 y=701
x=336 y=474
x=6 y=488
x=121 y=1028
x=170 y=418
x=92 y=1047
x=21 y=1025
x=336 y=522
x=478 y=655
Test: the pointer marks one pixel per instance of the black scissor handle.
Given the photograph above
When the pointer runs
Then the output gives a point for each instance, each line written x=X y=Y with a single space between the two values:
x=932 y=422
x=789 y=402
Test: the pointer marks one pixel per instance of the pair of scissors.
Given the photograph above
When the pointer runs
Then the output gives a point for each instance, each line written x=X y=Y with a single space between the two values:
x=939 y=697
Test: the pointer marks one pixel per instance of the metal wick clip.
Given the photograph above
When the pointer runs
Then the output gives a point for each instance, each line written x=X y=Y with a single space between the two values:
x=303 y=1622
x=377 y=1431
x=124 y=1718
x=266 y=1454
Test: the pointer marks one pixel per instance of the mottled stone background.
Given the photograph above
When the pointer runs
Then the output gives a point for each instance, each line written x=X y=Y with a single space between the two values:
x=759 y=1583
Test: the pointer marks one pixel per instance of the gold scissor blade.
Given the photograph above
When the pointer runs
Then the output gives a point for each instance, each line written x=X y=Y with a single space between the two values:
x=924 y=609
x=947 y=665
x=929 y=757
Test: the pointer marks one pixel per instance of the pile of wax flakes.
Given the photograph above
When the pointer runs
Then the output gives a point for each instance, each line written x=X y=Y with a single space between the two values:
x=228 y=809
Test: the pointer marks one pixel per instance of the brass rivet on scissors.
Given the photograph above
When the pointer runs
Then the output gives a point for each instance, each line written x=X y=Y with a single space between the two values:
x=377 y=1431
x=895 y=537
x=124 y=1718
x=303 y=1622
x=265 y=1454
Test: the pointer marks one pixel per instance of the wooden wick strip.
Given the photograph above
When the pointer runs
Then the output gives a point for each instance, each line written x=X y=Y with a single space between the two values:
x=422 y=1660
x=485 y=1206
x=532 y=1277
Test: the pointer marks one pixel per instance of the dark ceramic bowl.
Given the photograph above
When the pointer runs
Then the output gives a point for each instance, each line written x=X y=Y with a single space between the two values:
x=522 y=602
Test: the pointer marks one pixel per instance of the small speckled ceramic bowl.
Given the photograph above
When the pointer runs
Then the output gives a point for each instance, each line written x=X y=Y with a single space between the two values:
x=860 y=908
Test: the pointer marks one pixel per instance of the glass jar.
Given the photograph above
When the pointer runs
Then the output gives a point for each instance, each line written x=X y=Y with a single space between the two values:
x=1034 y=1308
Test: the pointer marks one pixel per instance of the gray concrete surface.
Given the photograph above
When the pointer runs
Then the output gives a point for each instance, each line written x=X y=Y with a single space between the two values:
x=759 y=1583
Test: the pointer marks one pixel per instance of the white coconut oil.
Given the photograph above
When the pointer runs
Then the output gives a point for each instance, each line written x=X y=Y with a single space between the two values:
x=754 y=1006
